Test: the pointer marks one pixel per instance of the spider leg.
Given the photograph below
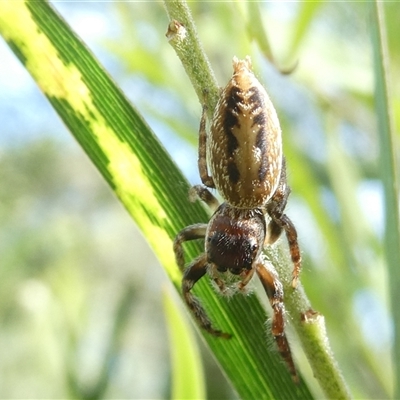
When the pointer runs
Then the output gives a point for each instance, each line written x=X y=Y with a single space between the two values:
x=280 y=221
x=201 y=192
x=191 y=232
x=196 y=270
x=196 y=231
x=274 y=290
x=202 y=163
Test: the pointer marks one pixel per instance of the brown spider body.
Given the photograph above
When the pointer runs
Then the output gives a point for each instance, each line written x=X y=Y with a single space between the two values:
x=235 y=238
x=244 y=147
x=244 y=153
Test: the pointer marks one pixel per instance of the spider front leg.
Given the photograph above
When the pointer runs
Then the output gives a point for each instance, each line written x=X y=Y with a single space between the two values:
x=196 y=270
x=279 y=221
x=274 y=290
x=191 y=232
x=196 y=231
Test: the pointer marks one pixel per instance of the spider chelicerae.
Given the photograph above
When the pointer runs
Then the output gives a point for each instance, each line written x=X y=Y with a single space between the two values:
x=243 y=152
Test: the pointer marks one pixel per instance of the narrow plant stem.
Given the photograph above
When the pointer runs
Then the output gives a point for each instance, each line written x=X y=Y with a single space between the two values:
x=311 y=330
x=309 y=325
x=183 y=38
x=388 y=173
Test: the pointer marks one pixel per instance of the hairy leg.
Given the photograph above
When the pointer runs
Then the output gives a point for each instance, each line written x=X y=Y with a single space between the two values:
x=273 y=288
x=196 y=270
x=280 y=221
x=191 y=232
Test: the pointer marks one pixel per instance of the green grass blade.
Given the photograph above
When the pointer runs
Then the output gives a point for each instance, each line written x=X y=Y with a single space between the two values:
x=389 y=171
x=257 y=32
x=307 y=11
x=187 y=373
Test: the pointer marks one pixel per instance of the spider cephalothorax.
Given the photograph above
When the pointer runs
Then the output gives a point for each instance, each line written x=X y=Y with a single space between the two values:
x=235 y=238
x=243 y=152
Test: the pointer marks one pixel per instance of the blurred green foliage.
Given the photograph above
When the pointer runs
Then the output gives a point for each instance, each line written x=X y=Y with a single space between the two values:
x=79 y=288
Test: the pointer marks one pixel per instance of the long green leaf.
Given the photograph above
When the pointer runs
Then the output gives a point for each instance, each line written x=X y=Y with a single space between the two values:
x=187 y=373
x=389 y=172
x=307 y=10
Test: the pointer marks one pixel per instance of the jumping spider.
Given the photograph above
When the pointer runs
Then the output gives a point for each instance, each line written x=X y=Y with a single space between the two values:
x=244 y=154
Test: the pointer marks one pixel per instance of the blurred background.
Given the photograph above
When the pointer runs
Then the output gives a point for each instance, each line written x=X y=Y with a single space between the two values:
x=80 y=304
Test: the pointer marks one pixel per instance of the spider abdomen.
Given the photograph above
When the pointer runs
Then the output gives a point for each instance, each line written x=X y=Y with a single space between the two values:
x=245 y=144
